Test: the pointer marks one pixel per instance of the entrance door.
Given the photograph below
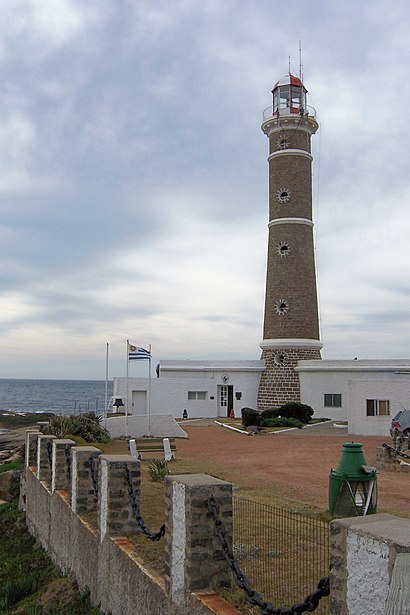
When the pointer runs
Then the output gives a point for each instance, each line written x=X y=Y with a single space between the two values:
x=225 y=399
x=139 y=403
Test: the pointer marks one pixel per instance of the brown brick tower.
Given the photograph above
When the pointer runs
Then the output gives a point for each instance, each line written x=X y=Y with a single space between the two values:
x=291 y=324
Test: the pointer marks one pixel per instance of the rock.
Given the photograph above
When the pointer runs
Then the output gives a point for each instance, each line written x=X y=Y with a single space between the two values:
x=9 y=484
x=253 y=428
x=9 y=455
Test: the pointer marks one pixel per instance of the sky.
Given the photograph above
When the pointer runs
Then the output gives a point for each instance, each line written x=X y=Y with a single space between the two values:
x=134 y=177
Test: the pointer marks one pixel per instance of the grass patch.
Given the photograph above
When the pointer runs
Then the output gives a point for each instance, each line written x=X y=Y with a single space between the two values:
x=17 y=464
x=30 y=584
x=153 y=513
x=14 y=590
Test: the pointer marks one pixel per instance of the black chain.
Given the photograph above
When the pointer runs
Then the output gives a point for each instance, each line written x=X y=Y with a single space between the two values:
x=396 y=451
x=310 y=603
x=135 y=507
x=68 y=462
x=50 y=453
x=93 y=472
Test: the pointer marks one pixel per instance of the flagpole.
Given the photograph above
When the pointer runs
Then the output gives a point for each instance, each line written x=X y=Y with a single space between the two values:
x=149 y=392
x=126 y=394
x=106 y=388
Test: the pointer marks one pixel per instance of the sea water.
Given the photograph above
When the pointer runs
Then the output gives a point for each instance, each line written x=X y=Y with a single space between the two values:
x=58 y=396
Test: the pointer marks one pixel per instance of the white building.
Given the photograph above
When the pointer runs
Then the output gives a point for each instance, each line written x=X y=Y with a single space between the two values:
x=202 y=388
x=366 y=393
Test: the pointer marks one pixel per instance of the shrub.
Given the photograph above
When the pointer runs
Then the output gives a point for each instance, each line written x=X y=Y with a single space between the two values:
x=270 y=413
x=60 y=426
x=15 y=589
x=296 y=410
x=89 y=428
x=250 y=417
x=86 y=426
x=282 y=422
x=158 y=469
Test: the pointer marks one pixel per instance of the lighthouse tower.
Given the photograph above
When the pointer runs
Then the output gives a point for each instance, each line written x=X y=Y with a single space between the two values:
x=291 y=320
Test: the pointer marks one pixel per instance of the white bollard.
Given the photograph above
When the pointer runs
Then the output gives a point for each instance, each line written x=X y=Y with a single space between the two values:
x=168 y=454
x=133 y=449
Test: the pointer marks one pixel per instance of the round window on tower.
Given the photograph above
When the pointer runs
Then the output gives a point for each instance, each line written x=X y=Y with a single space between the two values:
x=280 y=358
x=281 y=307
x=283 y=248
x=283 y=195
x=283 y=142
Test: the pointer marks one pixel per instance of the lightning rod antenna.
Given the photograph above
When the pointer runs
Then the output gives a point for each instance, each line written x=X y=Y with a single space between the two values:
x=300 y=62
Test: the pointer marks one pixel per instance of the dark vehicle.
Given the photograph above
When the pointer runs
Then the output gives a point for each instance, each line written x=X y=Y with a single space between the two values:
x=400 y=424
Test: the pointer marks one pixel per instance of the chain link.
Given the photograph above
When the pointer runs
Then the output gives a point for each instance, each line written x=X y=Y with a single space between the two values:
x=396 y=451
x=310 y=603
x=68 y=462
x=50 y=453
x=93 y=472
x=154 y=536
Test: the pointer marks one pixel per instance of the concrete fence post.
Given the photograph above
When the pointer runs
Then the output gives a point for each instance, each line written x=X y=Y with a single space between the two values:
x=44 y=457
x=32 y=435
x=61 y=465
x=115 y=512
x=84 y=478
x=193 y=554
x=363 y=556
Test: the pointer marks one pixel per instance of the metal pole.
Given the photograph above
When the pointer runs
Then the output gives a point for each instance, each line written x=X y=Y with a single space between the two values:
x=106 y=388
x=126 y=394
x=149 y=392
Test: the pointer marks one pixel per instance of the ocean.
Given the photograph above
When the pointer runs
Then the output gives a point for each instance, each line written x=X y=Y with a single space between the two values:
x=58 y=396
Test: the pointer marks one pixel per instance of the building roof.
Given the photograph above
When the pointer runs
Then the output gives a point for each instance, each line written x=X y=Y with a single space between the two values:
x=401 y=366
x=215 y=366
x=289 y=80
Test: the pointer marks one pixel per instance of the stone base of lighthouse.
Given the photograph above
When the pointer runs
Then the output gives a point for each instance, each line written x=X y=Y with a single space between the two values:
x=279 y=382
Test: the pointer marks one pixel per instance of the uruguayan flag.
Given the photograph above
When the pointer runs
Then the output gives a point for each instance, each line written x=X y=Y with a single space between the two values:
x=134 y=352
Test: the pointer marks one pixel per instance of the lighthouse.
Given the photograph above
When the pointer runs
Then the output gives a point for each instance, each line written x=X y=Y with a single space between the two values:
x=291 y=318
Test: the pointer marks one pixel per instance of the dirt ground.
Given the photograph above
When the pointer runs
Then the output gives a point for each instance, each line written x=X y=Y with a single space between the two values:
x=295 y=464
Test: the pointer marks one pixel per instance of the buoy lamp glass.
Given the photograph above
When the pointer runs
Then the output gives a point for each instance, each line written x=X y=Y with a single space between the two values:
x=353 y=486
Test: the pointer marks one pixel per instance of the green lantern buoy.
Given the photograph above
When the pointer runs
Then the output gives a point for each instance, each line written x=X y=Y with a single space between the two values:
x=353 y=486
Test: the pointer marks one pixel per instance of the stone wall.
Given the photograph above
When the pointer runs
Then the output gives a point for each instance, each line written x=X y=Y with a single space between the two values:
x=100 y=556
x=364 y=551
x=279 y=383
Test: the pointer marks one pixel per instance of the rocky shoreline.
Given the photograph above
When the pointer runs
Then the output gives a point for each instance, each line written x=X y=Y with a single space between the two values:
x=11 y=442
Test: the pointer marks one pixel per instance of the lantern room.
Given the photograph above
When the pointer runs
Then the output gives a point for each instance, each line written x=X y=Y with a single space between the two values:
x=289 y=96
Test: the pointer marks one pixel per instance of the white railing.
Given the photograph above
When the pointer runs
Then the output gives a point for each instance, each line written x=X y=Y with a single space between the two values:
x=307 y=111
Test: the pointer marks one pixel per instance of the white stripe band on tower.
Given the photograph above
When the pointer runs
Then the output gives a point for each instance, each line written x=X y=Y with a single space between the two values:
x=290 y=342
x=277 y=221
x=290 y=152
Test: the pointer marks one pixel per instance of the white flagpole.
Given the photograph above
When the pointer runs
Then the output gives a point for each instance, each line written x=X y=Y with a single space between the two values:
x=106 y=388
x=149 y=392
x=126 y=394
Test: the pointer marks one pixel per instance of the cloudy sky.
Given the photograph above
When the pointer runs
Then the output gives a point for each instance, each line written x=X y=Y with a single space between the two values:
x=134 y=180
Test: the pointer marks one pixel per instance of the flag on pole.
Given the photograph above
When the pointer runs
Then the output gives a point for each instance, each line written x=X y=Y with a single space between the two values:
x=134 y=353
